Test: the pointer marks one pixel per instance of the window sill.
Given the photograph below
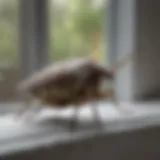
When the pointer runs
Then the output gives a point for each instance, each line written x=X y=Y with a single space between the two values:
x=16 y=137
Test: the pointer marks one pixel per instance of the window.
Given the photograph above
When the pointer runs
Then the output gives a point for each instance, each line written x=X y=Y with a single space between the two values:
x=9 y=60
x=77 y=29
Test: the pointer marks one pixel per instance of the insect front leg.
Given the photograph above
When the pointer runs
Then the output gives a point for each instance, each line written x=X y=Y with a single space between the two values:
x=36 y=107
x=29 y=109
x=96 y=113
x=74 y=121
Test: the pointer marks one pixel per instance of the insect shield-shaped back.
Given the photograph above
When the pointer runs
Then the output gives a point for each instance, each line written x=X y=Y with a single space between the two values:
x=67 y=82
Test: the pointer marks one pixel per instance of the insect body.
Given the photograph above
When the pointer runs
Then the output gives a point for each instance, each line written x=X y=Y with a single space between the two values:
x=71 y=82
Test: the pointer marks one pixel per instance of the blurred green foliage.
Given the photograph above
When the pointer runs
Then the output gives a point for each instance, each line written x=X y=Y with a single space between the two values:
x=73 y=26
x=75 y=30
x=8 y=30
x=73 y=33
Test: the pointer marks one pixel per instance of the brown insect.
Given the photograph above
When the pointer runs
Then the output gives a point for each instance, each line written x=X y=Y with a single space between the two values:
x=71 y=82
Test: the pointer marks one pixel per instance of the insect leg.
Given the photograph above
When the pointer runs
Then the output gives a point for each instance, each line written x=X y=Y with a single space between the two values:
x=116 y=103
x=74 y=121
x=36 y=106
x=25 y=107
x=122 y=107
x=96 y=114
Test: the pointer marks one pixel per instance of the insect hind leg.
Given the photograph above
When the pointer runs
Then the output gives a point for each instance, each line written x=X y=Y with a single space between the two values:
x=28 y=110
x=26 y=106
x=123 y=108
x=74 y=121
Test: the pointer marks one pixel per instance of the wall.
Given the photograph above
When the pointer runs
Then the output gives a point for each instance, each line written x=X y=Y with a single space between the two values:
x=136 y=33
x=148 y=48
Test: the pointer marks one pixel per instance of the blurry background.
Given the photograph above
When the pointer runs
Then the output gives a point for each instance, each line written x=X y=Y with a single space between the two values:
x=35 y=33
x=9 y=68
x=75 y=30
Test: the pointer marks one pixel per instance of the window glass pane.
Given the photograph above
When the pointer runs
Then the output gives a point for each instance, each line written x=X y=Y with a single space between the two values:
x=9 y=71
x=76 y=29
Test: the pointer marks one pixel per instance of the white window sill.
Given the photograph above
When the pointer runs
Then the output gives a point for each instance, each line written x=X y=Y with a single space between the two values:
x=20 y=136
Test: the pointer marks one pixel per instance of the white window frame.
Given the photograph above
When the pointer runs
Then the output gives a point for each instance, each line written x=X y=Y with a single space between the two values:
x=121 y=32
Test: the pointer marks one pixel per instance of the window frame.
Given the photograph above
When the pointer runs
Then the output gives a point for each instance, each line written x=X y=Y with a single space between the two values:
x=33 y=37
